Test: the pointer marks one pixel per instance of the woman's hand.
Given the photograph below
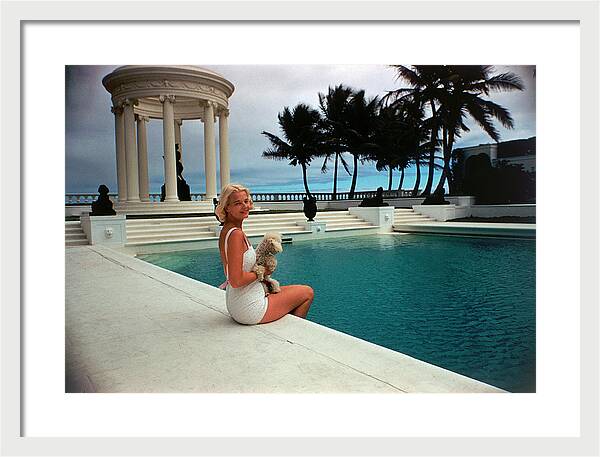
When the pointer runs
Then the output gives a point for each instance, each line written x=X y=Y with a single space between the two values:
x=260 y=272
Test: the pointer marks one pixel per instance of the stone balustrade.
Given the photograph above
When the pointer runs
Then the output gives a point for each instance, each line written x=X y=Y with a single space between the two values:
x=324 y=196
x=87 y=198
x=75 y=199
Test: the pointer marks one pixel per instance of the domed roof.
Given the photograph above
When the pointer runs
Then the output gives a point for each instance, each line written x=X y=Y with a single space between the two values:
x=188 y=83
x=129 y=73
x=192 y=68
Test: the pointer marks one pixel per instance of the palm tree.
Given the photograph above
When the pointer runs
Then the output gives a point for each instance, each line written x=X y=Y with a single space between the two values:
x=303 y=138
x=463 y=87
x=390 y=153
x=362 y=118
x=349 y=122
x=424 y=81
x=401 y=137
x=338 y=157
x=334 y=107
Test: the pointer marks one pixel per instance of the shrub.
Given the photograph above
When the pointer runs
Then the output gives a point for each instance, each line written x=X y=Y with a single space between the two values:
x=504 y=183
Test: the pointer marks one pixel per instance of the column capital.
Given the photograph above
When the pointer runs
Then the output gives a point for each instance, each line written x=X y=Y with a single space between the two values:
x=164 y=98
x=130 y=102
x=208 y=103
x=139 y=117
x=179 y=121
x=117 y=109
x=224 y=112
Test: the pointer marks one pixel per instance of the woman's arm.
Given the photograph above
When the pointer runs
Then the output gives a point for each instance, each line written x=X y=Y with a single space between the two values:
x=236 y=246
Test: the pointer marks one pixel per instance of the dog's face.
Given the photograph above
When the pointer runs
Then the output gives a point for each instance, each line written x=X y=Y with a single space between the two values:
x=273 y=242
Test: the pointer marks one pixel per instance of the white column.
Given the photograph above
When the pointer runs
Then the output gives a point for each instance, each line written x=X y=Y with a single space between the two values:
x=142 y=141
x=133 y=188
x=210 y=160
x=120 y=151
x=224 y=147
x=169 y=148
x=178 y=123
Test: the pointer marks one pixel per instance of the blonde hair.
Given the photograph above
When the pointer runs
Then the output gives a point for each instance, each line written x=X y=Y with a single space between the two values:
x=224 y=199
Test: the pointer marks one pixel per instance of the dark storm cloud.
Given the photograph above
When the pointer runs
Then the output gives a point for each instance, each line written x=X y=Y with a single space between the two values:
x=261 y=92
x=89 y=130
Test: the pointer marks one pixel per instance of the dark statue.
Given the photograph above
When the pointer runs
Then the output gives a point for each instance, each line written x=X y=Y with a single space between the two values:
x=183 y=189
x=215 y=203
x=435 y=199
x=103 y=206
x=310 y=207
x=377 y=200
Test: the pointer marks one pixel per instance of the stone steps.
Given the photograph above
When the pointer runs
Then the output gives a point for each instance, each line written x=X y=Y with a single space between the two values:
x=369 y=228
x=169 y=236
x=170 y=239
x=285 y=230
x=163 y=220
x=168 y=231
x=159 y=208
x=408 y=216
x=147 y=231
x=299 y=216
x=166 y=208
x=271 y=226
x=411 y=219
x=142 y=225
x=74 y=235
x=348 y=224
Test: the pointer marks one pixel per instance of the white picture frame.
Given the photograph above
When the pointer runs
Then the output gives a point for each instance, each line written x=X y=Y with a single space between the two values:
x=14 y=274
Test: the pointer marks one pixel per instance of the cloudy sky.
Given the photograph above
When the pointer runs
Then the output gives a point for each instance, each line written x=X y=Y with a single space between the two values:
x=261 y=92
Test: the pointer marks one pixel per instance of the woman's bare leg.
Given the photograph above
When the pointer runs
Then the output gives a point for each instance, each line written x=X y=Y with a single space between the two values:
x=291 y=299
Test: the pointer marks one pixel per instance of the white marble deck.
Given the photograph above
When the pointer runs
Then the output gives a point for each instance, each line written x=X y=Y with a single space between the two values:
x=134 y=327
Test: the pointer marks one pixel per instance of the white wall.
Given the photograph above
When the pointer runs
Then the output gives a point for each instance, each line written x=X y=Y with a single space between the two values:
x=502 y=210
x=381 y=216
x=77 y=210
x=446 y=212
x=109 y=230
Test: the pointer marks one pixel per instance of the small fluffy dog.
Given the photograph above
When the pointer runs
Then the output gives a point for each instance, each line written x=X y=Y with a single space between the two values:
x=265 y=259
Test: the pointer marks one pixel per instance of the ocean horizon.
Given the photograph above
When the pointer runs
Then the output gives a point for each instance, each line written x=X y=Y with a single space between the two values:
x=364 y=183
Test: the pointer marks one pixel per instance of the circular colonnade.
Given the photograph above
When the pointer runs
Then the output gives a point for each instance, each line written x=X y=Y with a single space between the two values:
x=174 y=94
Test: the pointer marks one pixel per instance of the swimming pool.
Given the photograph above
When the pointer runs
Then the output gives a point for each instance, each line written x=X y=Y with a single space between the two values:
x=463 y=303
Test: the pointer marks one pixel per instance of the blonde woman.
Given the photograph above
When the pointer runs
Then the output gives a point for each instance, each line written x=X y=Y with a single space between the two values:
x=246 y=300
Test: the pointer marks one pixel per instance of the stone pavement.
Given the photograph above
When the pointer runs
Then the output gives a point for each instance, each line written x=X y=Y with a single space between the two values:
x=134 y=327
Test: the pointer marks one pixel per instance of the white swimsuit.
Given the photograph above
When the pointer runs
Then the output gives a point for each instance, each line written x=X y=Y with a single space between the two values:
x=247 y=304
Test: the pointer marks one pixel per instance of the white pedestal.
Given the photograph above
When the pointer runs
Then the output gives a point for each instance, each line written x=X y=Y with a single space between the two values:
x=382 y=216
x=443 y=213
x=315 y=227
x=464 y=200
x=109 y=230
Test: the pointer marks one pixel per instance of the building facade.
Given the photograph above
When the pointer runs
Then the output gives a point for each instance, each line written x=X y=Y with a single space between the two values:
x=517 y=152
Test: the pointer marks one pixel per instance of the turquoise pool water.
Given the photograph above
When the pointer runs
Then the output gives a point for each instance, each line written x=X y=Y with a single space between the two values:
x=463 y=303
